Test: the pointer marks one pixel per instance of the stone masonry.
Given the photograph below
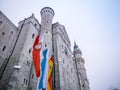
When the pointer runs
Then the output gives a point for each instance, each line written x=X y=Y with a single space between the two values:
x=16 y=64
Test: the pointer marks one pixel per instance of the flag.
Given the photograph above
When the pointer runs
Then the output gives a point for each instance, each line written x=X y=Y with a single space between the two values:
x=42 y=84
x=49 y=87
x=36 y=54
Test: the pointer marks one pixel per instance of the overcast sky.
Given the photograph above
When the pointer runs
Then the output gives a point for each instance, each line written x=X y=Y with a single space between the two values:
x=93 y=24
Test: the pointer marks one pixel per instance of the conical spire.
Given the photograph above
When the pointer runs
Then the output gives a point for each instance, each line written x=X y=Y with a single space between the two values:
x=75 y=45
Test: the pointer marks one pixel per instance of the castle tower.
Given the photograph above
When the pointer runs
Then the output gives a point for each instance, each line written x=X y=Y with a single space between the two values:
x=17 y=71
x=81 y=71
x=47 y=14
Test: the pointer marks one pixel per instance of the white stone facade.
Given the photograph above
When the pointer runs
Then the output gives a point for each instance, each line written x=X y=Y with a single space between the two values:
x=16 y=65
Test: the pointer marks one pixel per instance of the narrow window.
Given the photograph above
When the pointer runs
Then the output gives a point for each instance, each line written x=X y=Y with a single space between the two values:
x=30 y=50
x=27 y=63
x=33 y=35
x=83 y=85
x=4 y=47
x=0 y=23
x=25 y=81
x=32 y=76
x=66 y=52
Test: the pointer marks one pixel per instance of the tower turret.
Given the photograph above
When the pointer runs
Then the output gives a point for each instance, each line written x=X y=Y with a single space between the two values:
x=47 y=14
x=77 y=52
x=81 y=71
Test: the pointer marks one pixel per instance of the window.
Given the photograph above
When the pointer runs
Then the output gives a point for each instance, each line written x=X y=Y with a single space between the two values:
x=3 y=33
x=28 y=64
x=33 y=35
x=4 y=47
x=25 y=81
x=30 y=50
x=66 y=52
x=32 y=76
x=35 y=24
x=0 y=23
x=45 y=45
x=83 y=85
x=11 y=32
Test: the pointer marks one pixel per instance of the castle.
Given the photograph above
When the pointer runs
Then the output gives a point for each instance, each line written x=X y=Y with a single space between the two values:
x=17 y=71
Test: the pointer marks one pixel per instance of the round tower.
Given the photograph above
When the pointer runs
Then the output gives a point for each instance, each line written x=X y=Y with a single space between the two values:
x=82 y=77
x=77 y=52
x=47 y=14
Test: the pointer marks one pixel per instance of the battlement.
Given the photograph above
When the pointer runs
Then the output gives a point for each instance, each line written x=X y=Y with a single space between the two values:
x=47 y=15
x=47 y=10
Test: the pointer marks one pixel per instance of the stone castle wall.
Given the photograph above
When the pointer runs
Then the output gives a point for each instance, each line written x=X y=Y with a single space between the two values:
x=16 y=65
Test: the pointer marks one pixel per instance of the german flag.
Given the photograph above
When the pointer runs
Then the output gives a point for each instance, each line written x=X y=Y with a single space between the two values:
x=50 y=62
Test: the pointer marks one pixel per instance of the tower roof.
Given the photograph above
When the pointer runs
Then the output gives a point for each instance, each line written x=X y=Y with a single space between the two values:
x=76 y=49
